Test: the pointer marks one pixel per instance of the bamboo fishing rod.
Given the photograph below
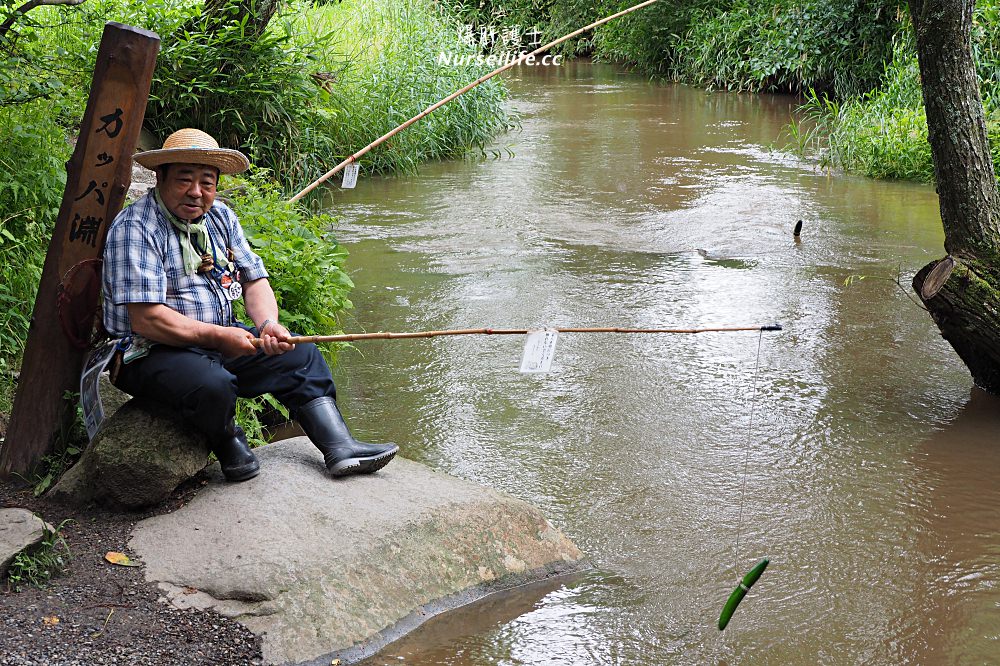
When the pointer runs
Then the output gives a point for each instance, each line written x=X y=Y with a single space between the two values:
x=385 y=137
x=351 y=337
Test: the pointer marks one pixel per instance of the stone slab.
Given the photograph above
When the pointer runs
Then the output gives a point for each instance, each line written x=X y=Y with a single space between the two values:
x=19 y=529
x=319 y=566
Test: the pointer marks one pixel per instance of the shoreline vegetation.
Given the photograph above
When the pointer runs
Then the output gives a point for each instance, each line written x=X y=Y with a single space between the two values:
x=325 y=78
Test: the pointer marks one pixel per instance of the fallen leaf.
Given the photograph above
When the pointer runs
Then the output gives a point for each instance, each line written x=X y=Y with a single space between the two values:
x=335 y=662
x=121 y=559
x=50 y=620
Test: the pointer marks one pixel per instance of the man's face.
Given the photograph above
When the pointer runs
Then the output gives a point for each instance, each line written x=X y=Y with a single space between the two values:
x=188 y=190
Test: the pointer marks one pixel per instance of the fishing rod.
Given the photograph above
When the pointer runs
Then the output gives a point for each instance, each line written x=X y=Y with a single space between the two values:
x=480 y=80
x=351 y=337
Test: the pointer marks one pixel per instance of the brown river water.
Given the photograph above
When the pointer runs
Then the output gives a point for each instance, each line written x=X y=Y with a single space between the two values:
x=873 y=462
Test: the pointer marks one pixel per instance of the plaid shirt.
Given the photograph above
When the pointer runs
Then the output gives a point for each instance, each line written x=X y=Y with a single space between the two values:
x=143 y=263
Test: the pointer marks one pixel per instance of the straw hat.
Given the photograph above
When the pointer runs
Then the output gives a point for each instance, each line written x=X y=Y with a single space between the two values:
x=191 y=146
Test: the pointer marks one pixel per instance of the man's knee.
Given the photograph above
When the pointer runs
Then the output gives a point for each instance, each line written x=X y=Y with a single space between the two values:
x=217 y=386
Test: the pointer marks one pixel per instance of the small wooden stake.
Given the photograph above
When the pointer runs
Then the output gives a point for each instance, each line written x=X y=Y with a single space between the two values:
x=98 y=176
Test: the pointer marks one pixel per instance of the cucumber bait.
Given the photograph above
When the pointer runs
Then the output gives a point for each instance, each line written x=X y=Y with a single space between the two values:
x=741 y=591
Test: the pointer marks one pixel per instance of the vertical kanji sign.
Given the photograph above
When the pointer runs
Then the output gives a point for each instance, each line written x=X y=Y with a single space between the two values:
x=98 y=176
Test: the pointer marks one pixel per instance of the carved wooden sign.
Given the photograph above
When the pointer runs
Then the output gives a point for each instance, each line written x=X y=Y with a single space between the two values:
x=98 y=176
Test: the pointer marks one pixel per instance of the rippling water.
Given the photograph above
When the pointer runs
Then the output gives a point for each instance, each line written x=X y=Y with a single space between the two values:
x=873 y=463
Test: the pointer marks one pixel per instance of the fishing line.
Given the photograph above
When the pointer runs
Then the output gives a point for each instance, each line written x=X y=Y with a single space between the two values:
x=746 y=459
x=744 y=584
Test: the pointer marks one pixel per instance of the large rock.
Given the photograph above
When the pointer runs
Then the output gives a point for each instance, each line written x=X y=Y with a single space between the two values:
x=320 y=566
x=141 y=454
x=19 y=529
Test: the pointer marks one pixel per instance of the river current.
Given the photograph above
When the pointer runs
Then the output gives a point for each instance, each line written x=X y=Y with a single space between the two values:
x=871 y=461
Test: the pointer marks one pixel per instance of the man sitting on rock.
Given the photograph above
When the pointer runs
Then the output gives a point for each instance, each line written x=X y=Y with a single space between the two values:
x=174 y=262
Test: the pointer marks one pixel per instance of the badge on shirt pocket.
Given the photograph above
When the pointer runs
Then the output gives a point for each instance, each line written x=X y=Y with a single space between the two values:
x=232 y=288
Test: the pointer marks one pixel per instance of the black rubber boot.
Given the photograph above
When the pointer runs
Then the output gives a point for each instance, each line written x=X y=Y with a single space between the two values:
x=343 y=454
x=237 y=460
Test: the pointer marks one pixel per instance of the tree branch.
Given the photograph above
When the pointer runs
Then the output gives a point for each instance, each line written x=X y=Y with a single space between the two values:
x=27 y=7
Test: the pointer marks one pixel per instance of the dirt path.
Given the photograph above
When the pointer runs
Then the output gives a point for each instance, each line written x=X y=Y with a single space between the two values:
x=107 y=614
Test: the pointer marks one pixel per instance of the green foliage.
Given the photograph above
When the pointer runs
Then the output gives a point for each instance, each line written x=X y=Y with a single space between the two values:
x=249 y=93
x=650 y=38
x=250 y=415
x=375 y=48
x=883 y=133
x=759 y=45
x=40 y=563
x=536 y=21
x=305 y=263
x=32 y=179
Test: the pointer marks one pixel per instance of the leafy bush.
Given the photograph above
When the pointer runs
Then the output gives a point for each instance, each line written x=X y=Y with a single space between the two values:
x=249 y=93
x=305 y=263
x=374 y=48
x=758 y=45
x=883 y=134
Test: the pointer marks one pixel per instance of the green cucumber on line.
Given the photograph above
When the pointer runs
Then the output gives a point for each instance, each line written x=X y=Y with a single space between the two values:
x=741 y=591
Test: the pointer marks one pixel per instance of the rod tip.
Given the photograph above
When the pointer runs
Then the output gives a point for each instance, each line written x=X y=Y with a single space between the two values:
x=772 y=327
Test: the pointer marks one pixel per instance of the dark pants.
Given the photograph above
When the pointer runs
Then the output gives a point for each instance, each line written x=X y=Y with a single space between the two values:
x=203 y=386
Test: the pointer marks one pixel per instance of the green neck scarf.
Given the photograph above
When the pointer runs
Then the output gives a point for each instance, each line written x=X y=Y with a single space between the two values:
x=191 y=233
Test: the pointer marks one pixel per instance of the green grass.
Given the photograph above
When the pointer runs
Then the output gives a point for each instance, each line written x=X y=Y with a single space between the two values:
x=40 y=563
x=381 y=68
x=883 y=134
x=32 y=179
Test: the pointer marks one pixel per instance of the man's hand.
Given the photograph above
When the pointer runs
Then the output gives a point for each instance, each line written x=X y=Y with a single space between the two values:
x=274 y=339
x=233 y=342
x=263 y=309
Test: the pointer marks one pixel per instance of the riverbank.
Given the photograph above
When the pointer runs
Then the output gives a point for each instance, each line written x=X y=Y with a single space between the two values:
x=317 y=569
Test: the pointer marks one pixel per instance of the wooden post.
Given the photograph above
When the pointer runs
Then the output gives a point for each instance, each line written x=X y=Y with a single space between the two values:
x=98 y=177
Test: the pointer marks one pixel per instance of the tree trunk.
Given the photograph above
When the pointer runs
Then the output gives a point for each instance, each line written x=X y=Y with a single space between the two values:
x=963 y=294
x=256 y=13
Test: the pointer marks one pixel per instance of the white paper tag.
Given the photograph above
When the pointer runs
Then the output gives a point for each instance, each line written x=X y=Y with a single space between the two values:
x=539 y=350
x=351 y=175
x=90 y=394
